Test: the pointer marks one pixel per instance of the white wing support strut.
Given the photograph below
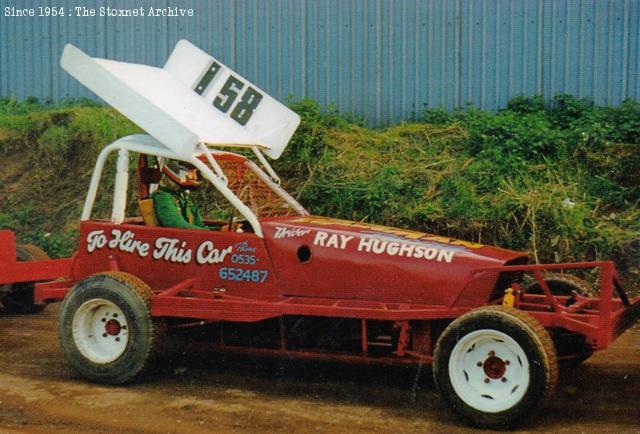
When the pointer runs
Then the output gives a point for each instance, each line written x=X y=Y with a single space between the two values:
x=213 y=163
x=266 y=165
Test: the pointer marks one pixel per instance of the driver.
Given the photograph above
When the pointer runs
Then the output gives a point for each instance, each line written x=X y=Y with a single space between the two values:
x=173 y=203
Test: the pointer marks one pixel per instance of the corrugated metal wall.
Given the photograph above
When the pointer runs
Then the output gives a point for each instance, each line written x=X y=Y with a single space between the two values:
x=380 y=59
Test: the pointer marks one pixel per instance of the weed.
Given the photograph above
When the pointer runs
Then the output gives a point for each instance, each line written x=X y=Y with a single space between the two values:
x=561 y=181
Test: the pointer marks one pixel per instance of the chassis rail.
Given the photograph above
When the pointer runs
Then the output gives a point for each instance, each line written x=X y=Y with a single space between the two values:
x=600 y=318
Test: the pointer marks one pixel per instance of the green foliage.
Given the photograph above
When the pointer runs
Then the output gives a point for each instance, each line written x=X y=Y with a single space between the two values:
x=28 y=224
x=554 y=180
x=13 y=106
x=561 y=180
x=308 y=143
x=526 y=104
x=49 y=151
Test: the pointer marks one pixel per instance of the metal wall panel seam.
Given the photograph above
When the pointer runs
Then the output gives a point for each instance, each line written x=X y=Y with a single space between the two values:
x=468 y=52
x=378 y=68
x=596 y=52
x=483 y=75
x=403 y=76
x=303 y=51
x=636 y=76
x=540 y=49
x=4 y=48
x=512 y=38
x=566 y=45
x=581 y=44
x=458 y=31
x=625 y=47
x=610 y=51
x=443 y=53
x=379 y=59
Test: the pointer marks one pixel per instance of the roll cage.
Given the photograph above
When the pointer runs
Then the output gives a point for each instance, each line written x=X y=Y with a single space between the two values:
x=206 y=161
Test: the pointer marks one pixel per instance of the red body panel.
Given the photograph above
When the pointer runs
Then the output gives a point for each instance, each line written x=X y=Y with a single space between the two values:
x=367 y=262
x=344 y=270
x=164 y=257
x=346 y=261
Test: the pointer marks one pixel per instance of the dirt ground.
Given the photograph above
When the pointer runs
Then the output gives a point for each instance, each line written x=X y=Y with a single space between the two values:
x=198 y=390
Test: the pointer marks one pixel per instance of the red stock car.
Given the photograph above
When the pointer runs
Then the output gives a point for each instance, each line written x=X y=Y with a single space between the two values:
x=299 y=285
x=271 y=279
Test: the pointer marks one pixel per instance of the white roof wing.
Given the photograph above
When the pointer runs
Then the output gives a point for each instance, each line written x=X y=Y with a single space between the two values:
x=235 y=96
x=161 y=104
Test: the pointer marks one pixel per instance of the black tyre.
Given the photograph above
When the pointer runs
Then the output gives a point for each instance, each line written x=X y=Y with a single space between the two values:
x=561 y=284
x=572 y=349
x=106 y=330
x=495 y=366
x=19 y=297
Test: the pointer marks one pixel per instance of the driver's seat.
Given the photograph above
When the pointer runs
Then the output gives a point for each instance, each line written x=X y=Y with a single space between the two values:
x=147 y=176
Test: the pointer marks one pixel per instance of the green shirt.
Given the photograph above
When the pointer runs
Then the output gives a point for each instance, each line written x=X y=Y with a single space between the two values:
x=177 y=209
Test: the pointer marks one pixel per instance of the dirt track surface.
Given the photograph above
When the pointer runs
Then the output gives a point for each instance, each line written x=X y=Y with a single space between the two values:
x=198 y=390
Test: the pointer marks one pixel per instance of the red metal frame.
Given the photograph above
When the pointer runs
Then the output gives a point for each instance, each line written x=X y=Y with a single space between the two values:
x=352 y=270
x=599 y=319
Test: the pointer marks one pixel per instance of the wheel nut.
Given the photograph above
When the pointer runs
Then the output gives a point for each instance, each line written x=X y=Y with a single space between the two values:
x=486 y=380
x=103 y=320
x=503 y=379
x=492 y=353
x=506 y=362
x=104 y=335
x=117 y=339
x=479 y=364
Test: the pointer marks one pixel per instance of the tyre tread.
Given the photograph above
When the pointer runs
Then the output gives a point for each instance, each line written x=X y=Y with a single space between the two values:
x=533 y=329
x=157 y=326
x=33 y=252
x=583 y=287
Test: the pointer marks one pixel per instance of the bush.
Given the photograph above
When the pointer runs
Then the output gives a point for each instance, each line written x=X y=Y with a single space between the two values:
x=560 y=181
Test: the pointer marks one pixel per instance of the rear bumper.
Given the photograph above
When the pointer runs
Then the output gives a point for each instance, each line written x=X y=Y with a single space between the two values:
x=601 y=319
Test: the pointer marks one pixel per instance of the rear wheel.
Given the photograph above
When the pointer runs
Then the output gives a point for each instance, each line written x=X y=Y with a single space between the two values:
x=572 y=349
x=106 y=330
x=495 y=366
x=19 y=297
x=562 y=284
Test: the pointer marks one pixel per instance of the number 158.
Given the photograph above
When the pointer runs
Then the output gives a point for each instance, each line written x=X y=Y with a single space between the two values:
x=243 y=110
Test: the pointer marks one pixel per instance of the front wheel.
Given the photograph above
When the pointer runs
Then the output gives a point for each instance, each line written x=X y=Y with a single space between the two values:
x=106 y=330
x=495 y=365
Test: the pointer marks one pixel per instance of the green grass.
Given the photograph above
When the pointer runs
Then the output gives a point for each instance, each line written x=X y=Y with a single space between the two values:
x=498 y=178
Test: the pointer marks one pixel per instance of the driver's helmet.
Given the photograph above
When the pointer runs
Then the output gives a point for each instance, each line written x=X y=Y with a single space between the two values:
x=183 y=174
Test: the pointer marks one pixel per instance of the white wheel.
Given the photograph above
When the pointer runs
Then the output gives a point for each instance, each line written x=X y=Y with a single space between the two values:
x=100 y=331
x=495 y=366
x=489 y=371
x=106 y=329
